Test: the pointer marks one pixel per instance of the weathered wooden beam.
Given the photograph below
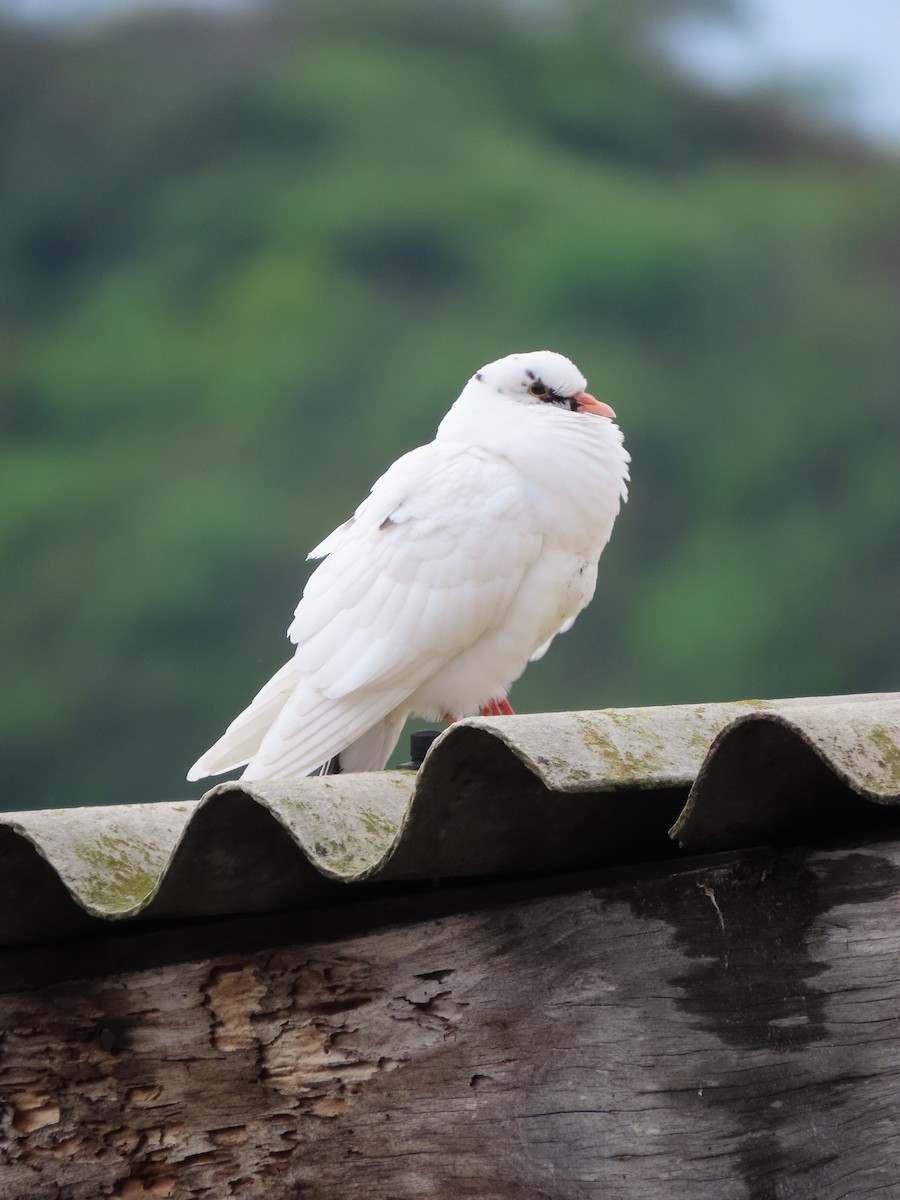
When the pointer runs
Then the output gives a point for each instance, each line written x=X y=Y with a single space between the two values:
x=727 y=1032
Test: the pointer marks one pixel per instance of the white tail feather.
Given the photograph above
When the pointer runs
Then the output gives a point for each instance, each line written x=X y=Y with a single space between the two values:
x=371 y=751
x=243 y=737
x=311 y=729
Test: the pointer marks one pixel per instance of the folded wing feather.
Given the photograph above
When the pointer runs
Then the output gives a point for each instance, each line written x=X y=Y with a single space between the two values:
x=429 y=562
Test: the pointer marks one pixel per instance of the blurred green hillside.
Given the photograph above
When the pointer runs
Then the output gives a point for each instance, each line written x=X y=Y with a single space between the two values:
x=247 y=260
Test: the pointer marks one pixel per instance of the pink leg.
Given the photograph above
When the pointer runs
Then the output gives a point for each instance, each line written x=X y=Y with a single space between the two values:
x=500 y=707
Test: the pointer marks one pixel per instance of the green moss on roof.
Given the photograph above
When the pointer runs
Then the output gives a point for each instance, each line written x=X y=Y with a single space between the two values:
x=123 y=873
x=335 y=856
x=378 y=826
x=886 y=745
x=646 y=757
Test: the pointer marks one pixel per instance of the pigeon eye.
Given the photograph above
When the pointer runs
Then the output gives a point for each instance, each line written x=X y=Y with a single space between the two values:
x=537 y=389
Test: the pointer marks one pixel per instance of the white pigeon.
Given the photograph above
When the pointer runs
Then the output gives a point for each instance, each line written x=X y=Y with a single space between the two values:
x=466 y=559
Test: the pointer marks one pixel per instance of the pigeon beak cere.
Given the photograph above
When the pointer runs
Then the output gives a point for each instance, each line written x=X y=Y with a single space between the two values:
x=586 y=403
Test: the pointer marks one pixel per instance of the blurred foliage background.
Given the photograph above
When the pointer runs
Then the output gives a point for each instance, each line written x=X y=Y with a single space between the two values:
x=249 y=257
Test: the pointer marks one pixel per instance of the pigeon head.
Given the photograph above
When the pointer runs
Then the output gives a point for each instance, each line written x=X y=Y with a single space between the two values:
x=541 y=377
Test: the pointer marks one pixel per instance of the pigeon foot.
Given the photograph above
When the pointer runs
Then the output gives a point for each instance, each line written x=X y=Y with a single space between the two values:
x=500 y=707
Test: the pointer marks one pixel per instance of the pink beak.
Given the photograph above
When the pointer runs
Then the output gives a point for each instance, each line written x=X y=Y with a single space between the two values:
x=588 y=404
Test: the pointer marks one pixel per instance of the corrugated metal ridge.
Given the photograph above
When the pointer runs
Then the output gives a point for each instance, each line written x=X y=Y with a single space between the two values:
x=790 y=769
x=495 y=795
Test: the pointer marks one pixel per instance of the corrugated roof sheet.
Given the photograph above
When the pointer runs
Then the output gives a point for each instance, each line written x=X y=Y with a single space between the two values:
x=546 y=792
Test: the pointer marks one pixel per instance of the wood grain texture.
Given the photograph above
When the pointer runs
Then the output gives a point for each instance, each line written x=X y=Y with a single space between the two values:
x=724 y=1033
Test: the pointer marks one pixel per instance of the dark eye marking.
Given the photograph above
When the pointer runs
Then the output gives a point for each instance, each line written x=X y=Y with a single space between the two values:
x=541 y=392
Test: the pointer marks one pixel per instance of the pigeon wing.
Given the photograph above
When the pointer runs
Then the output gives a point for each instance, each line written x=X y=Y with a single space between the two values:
x=428 y=563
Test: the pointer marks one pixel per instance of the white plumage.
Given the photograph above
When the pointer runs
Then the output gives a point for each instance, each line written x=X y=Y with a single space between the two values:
x=465 y=560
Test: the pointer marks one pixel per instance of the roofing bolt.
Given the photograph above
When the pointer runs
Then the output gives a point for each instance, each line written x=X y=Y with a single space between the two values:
x=419 y=745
